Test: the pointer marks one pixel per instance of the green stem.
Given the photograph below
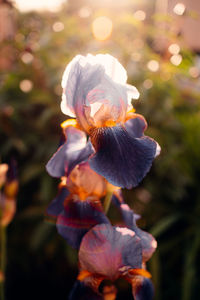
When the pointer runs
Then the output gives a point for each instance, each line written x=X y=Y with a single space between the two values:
x=107 y=201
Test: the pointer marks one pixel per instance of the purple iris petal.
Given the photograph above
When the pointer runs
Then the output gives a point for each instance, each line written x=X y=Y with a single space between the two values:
x=120 y=157
x=77 y=218
x=80 y=291
x=142 y=288
x=56 y=206
x=136 y=126
x=75 y=150
x=110 y=251
x=148 y=242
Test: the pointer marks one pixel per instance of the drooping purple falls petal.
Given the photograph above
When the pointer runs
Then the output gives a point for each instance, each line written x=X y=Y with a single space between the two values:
x=57 y=205
x=142 y=288
x=78 y=217
x=75 y=150
x=110 y=251
x=121 y=158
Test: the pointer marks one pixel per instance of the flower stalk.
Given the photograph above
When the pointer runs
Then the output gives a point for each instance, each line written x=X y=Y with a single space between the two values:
x=107 y=202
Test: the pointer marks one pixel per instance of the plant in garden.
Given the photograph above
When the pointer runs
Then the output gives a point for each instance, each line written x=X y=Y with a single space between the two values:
x=116 y=155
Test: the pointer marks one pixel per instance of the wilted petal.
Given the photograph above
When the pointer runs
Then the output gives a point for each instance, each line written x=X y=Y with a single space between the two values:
x=81 y=291
x=120 y=157
x=75 y=150
x=57 y=205
x=142 y=288
x=110 y=251
x=78 y=217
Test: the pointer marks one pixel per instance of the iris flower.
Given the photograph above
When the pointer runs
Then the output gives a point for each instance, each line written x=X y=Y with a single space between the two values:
x=77 y=207
x=95 y=92
x=108 y=253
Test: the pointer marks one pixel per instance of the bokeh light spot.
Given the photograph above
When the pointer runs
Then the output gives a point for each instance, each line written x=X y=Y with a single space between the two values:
x=194 y=72
x=179 y=9
x=140 y=15
x=84 y=12
x=26 y=85
x=176 y=59
x=153 y=65
x=27 y=57
x=174 y=49
x=148 y=83
x=102 y=28
x=58 y=26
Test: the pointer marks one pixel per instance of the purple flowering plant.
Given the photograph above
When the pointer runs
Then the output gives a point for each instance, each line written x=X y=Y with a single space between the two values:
x=105 y=149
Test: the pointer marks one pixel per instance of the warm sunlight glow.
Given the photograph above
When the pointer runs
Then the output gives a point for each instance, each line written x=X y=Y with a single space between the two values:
x=102 y=28
x=26 y=85
x=140 y=15
x=174 y=49
x=179 y=9
x=176 y=59
x=51 y=5
x=69 y=122
x=153 y=65
x=84 y=12
x=58 y=26
x=27 y=57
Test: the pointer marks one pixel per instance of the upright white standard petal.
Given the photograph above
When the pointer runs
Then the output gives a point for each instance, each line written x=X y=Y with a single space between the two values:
x=95 y=91
x=112 y=67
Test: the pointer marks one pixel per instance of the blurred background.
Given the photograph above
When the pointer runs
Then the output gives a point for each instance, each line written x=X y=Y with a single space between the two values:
x=158 y=42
